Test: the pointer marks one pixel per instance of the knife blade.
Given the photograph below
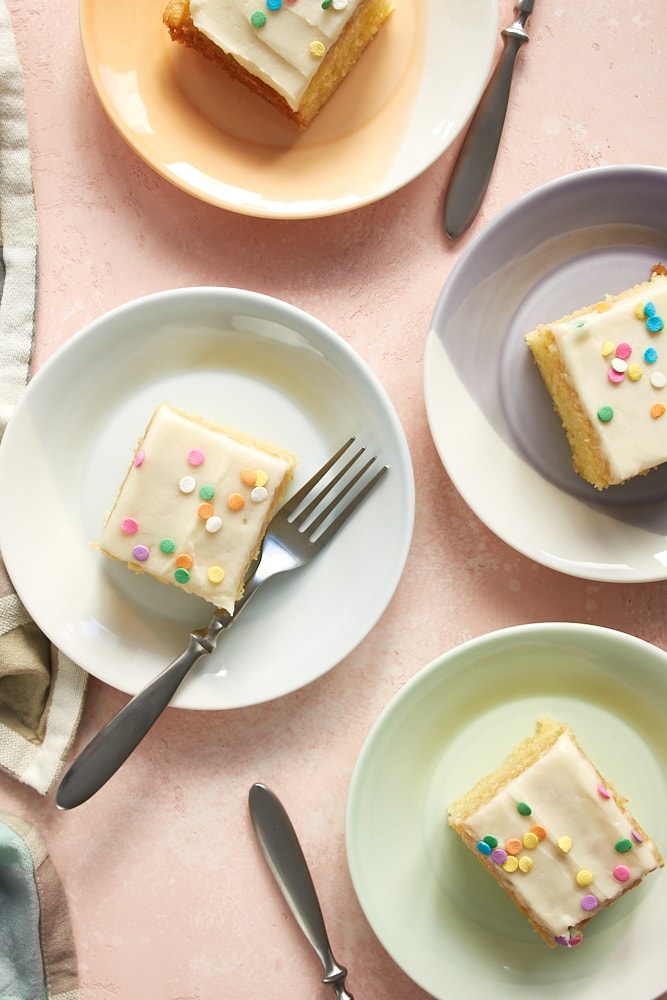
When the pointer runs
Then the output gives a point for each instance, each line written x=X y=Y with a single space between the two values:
x=284 y=856
x=477 y=156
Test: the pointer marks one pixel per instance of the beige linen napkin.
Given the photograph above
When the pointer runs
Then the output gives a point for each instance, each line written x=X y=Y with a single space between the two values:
x=41 y=690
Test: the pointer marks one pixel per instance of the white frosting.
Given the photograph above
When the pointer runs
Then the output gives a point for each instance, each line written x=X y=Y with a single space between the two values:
x=633 y=441
x=561 y=789
x=160 y=499
x=279 y=51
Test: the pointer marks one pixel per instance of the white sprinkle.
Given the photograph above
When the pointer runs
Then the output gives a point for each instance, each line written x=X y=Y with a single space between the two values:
x=619 y=365
x=187 y=484
x=658 y=380
x=213 y=524
x=258 y=494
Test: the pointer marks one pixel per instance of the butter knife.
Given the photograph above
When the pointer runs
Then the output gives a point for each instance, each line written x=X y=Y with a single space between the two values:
x=284 y=856
x=474 y=164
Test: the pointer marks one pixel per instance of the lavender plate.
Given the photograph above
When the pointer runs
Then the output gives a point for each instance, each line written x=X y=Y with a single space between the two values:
x=558 y=248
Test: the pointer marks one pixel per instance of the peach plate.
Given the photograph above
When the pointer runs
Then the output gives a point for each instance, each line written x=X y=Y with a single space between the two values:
x=396 y=113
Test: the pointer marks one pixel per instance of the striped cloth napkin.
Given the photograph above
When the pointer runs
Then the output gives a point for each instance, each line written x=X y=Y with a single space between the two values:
x=41 y=691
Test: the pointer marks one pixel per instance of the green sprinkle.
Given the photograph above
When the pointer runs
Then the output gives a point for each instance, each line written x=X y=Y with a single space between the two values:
x=181 y=575
x=491 y=841
x=207 y=492
x=605 y=414
x=167 y=545
x=623 y=846
x=326 y=4
x=258 y=19
x=524 y=809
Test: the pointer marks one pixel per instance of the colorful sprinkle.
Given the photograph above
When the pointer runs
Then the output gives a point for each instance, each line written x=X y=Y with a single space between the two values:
x=530 y=841
x=261 y=477
x=570 y=940
x=649 y=309
x=511 y=864
x=525 y=864
x=657 y=410
x=196 y=457
x=483 y=848
x=650 y=355
x=623 y=351
x=513 y=846
x=639 y=311
x=658 y=380
x=539 y=831
x=205 y=510
x=623 y=846
x=139 y=458
x=216 y=574
x=584 y=877
x=236 y=501
x=603 y=792
x=499 y=856
x=565 y=844
x=619 y=365
x=249 y=477
x=207 y=492
x=274 y=4
x=621 y=873
x=635 y=372
x=637 y=837
x=259 y=494
x=523 y=809
x=258 y=19
x=181 y=575
x=605 y=414
x=654 y=324
x=615 y=376
x=129 y=526
x=184 y=561
x=167 y=545
x=608 y=348
x=589 y=903
x=140 y=553
x=490 y=840
x=317 y=49
x=187 y=484
x=213 y=524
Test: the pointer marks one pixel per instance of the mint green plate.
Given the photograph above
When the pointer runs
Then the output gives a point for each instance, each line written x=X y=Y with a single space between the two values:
x=440 y=916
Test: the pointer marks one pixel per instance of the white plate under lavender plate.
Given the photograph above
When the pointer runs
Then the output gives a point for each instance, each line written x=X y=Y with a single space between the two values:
x=560 y=247
x=239 y=358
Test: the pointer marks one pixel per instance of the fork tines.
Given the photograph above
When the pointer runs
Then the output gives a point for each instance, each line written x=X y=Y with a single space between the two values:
x=324 y=508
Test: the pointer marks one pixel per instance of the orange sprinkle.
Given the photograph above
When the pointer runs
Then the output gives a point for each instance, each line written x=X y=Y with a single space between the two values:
x=539 y=831
x=248 y=477
x=657 y=410
x=205 y=510
x=235 y=501
x=184 y=561
x=513 y=845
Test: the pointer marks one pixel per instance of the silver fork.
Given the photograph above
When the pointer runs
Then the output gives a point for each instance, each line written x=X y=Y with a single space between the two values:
x=300 y=529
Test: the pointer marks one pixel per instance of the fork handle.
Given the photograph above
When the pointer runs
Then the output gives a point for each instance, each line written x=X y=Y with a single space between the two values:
x=111 y=747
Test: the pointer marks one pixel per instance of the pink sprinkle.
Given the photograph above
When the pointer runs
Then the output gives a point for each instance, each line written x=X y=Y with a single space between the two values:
x=621 y=873
x=614 y=376
x=603 y=791
x=637 y=837
x=623 y=351
x=196 y=457
x=140 y=553
x=139 y=458
x=129 y=526
x=499 y=856
x=589 y=902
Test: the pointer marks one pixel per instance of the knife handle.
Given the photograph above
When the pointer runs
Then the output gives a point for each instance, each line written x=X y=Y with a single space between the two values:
x=474 y=164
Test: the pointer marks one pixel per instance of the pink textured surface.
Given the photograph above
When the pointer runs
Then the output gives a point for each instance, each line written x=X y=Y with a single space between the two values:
x=168 y=894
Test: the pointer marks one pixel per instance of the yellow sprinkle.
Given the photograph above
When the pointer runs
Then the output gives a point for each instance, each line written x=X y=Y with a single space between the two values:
x=525 y=864
x=584 y=877
x=639 y=311
x=603 y=307
x=635 y=372
x=530 y=840
x=216 y=574
x=565 y=843
x=317 y=49
x=608 y=348
x=261 y=478
x=511 y=864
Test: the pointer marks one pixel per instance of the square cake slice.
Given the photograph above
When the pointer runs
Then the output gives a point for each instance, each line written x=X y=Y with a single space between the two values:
x=554 y=833
x=605 y=368
x=195 y=505
x=293 y=53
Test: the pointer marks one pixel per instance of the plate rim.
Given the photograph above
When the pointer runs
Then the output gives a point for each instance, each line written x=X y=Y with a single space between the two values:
x=451 y=661
x=487 y=237
x=286 y=209
x=255 y=304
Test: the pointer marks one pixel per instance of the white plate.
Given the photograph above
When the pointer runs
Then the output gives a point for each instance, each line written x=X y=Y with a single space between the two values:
x=440 y=916
x=561 y=247
x=402 y=105
x=238 y=358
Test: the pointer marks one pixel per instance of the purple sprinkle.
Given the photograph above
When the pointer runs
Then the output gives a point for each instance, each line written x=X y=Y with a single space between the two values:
x=637 y=837
x=589 y=902
x=140 y=553
x=499 y=856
